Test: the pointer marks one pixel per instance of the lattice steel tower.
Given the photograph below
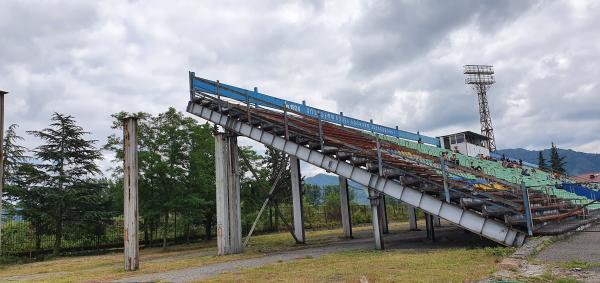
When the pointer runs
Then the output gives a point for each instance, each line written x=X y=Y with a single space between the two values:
x=481 y=78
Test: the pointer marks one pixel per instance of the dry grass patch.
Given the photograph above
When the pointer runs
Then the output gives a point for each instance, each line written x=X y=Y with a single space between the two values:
x=110 y=266
x=451 y=265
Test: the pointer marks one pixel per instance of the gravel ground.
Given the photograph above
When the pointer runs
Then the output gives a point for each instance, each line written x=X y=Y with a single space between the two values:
x=446 y=237
x=583 y=246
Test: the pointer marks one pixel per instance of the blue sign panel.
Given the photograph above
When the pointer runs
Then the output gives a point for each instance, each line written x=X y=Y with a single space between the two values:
x=256 y=98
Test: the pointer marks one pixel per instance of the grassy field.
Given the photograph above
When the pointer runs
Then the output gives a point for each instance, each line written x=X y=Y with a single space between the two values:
x=454 y=265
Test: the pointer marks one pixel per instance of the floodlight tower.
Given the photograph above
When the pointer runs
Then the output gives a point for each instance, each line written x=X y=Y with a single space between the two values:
x=481 y=78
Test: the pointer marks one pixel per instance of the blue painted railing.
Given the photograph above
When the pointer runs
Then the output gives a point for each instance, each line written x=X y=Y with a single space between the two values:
x=581 y=190
x=256 y=98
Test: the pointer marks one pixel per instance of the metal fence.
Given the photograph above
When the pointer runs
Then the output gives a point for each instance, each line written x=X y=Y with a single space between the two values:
x=23 y=238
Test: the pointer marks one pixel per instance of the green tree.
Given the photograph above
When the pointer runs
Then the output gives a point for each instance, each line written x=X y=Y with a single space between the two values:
x=176 y=163
x=557 y=162
x=254 y=184
x=172 y=138
x=14 y=154
x=312 y=194
x=542 y=161
x=198 y=201
x=14 y=157
x=30 y=195
x=68 y=162
x=273 y=163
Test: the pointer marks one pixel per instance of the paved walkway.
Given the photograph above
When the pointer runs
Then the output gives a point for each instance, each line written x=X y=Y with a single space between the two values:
x=583 y=246
x=446 y=236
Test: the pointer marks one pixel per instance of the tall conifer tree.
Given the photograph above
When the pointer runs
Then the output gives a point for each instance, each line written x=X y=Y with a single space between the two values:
x=557 y=162
x=69 y=163
x=542 y=161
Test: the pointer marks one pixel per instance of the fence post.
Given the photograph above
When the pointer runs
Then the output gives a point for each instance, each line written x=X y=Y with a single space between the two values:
x=528 y=218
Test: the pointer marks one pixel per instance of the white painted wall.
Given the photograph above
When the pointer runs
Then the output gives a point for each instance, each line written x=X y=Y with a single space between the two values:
x=470 y=149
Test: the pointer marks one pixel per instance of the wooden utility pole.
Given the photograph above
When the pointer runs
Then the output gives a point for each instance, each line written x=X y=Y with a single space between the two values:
x=130 y=195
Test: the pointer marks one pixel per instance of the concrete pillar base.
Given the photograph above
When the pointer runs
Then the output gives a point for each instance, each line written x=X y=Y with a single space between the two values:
x=430 y=229
x=376 y=219
x=227 y=179
x=297 y=200
x=437 y=221
x=345 y=208
x=412 y=218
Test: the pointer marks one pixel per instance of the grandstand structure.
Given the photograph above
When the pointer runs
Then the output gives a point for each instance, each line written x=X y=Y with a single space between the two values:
x=503 y=203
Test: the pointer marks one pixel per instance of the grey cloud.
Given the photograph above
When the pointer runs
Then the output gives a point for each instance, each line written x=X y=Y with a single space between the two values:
x=396 y=62
x=394 y=32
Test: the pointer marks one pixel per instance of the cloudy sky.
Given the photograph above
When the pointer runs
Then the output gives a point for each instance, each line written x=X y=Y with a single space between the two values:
x=397 y=62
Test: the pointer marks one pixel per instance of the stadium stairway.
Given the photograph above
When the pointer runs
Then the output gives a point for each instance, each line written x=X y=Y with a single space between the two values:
x=538 y=180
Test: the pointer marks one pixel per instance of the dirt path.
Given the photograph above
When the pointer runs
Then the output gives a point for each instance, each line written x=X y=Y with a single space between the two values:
x=447 y=237
x=204 y=272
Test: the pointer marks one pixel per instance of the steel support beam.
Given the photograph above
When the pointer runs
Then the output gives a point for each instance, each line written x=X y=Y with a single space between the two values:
x=229 y=237
x=130 y=195
x=472 y=221
x=298 y=213
x=345 y=207
x=412 y=217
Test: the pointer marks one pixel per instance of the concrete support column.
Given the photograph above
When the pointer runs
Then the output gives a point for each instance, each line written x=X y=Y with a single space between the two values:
x=429 y=224
x=383 y=214
x=297 y=199
x=437 y=221
x=235 y=213
x=2 y=93
x=130 y=195
x=345 y=207
x=375 y=219
x=412 y=217
x=229 y=232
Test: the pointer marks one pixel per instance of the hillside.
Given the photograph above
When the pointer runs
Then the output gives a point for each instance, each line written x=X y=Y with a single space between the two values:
x=577 y=162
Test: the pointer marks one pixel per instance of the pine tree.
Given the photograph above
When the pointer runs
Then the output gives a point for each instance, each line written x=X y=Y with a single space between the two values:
x=557 y=162
x=542 y=161
x=68 y=162
x=14 y=157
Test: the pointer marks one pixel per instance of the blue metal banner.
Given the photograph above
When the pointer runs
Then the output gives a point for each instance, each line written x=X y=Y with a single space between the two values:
x=259 y=99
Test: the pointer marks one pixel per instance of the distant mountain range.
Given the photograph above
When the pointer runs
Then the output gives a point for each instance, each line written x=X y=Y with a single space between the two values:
x=322 y=180
x=577 y=162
